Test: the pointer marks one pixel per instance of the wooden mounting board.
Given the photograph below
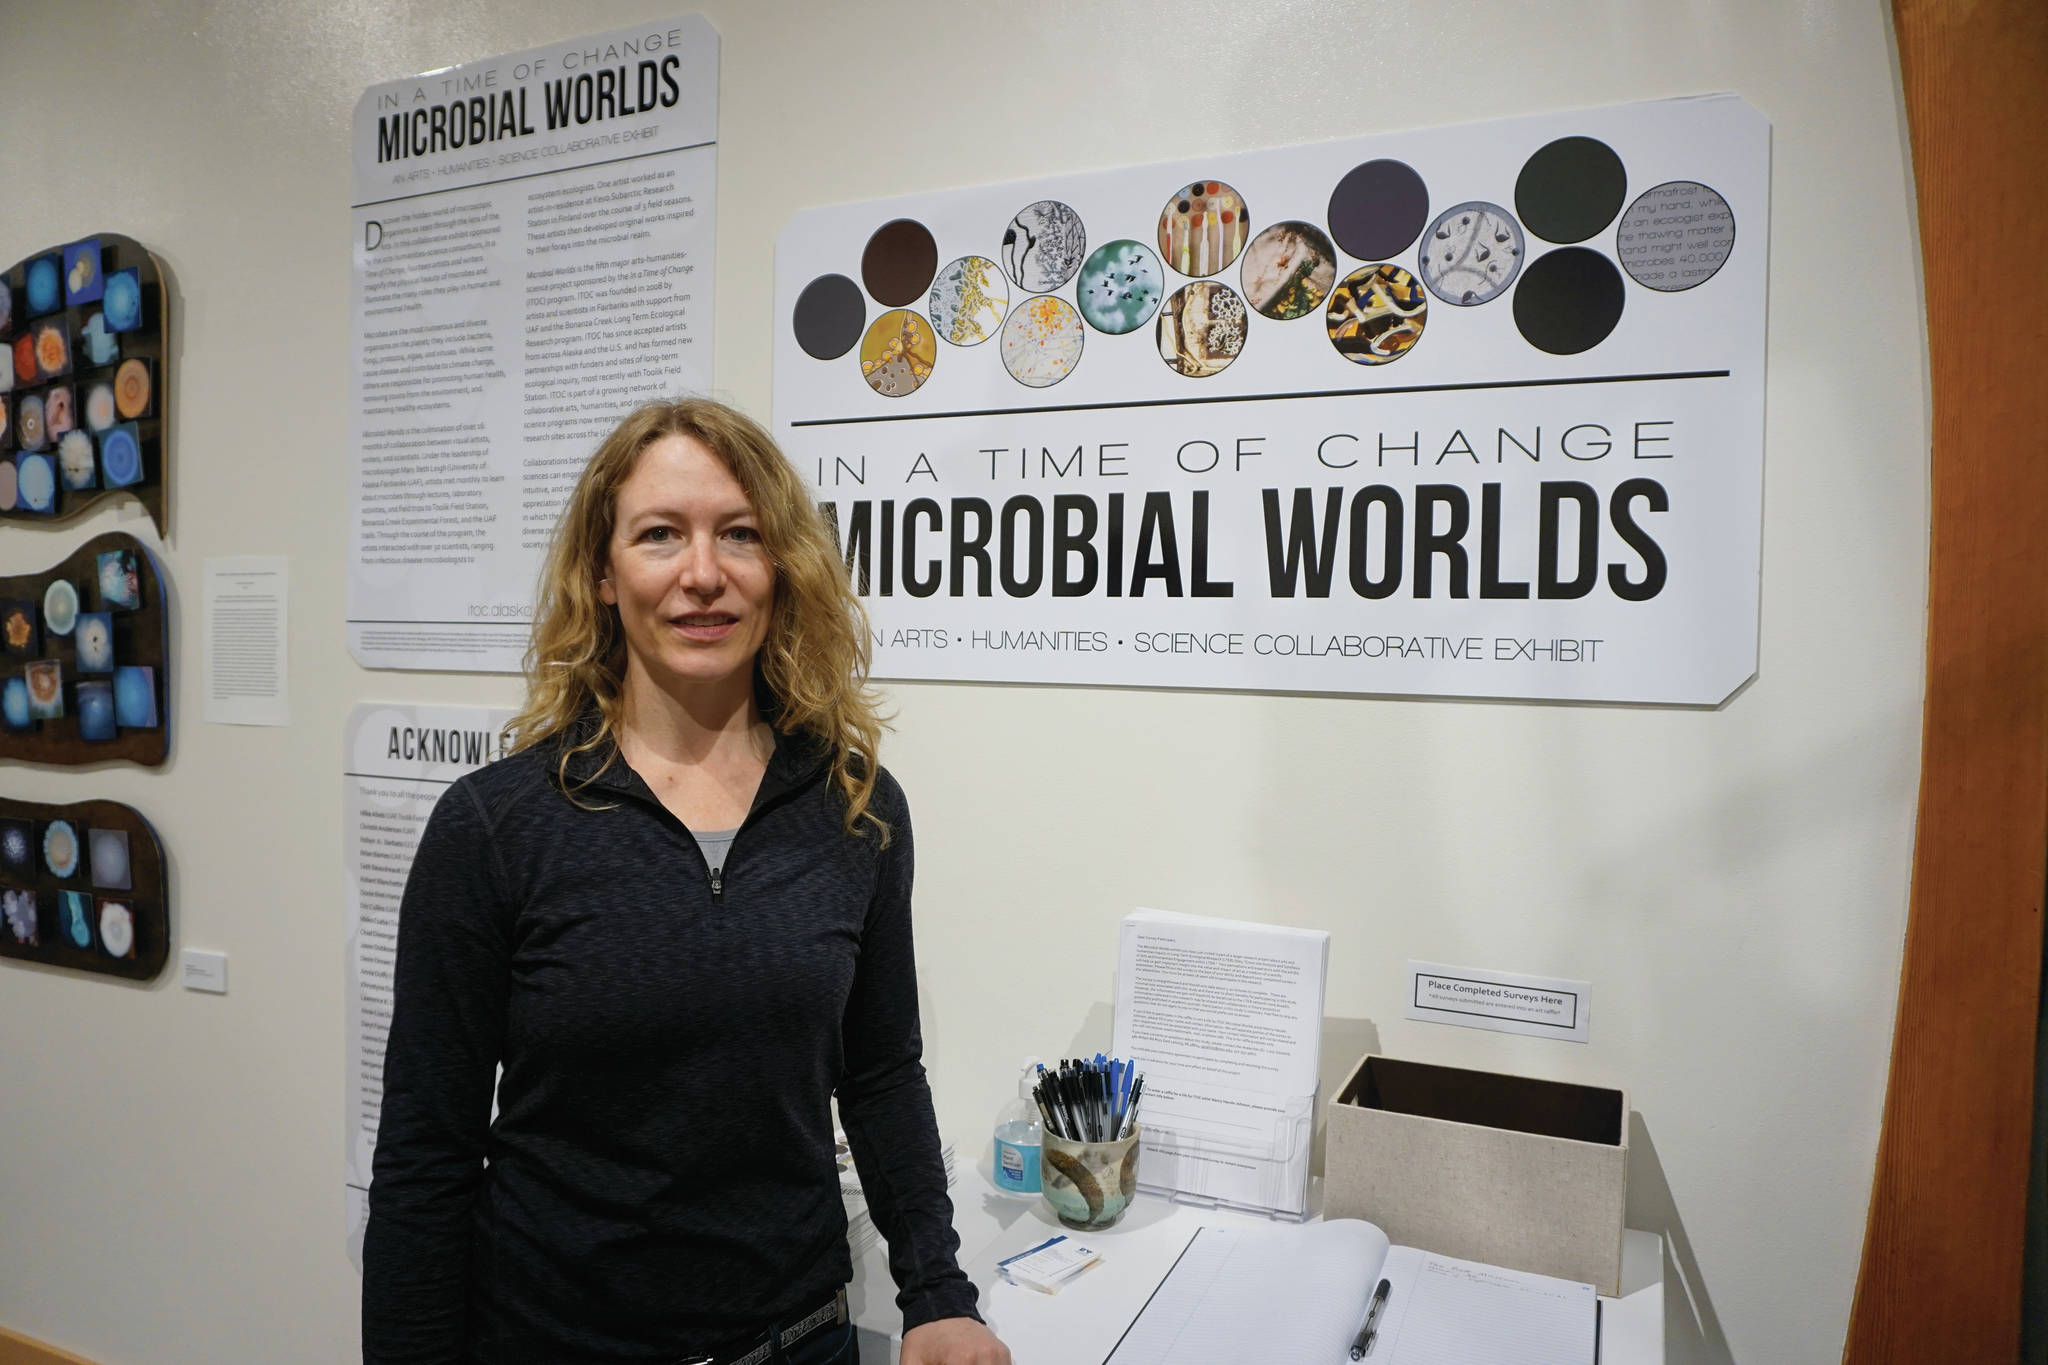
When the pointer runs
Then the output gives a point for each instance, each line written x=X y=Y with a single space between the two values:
x=147 y=895
x=148 y=342
x=141 y=637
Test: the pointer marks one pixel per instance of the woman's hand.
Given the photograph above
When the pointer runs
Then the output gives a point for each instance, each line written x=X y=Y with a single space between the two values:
x=953 y=1341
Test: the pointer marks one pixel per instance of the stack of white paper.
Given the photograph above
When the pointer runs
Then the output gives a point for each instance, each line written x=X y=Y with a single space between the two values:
x=1225 y=1020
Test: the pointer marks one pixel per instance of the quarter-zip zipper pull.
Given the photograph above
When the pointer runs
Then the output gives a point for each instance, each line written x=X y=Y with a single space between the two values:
x=717 y=884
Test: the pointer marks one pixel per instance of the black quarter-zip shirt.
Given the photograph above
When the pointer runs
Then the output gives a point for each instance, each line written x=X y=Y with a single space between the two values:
x=659 y=1178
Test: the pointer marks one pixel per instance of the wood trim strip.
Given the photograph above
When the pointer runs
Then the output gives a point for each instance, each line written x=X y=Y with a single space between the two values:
x=1943 y=1248
x=16 y=1349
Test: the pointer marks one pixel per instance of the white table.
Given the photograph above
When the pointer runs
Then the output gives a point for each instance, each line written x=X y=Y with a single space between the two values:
x=1081 y=1324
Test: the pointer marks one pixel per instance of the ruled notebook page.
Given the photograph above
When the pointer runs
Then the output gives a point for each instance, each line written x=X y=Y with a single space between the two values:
x=1292 y=1294
x=1450 y=1312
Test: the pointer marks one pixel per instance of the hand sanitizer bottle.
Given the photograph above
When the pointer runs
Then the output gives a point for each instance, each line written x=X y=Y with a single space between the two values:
x=1017 y=1137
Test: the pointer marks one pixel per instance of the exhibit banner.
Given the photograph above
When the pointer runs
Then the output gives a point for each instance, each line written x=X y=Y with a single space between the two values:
x=397 y=760
x=1463 y=411
x=533 y=246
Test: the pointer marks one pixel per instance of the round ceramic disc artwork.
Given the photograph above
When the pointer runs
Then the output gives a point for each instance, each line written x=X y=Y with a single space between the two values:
x=36 y=483
x=1120 y=288
x=1289 y=269
x=60 y=606
x=1201 y=329
x=117 y=928
x=968 y=301
x=60 y=849
x=898 y=352
x=1043 y=246
x=1471 y=254
x=99 y=407
x=1042 y=341
x=1377 y=314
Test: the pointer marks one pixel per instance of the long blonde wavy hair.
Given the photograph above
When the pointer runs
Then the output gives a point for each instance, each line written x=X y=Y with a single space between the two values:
x=813 y=665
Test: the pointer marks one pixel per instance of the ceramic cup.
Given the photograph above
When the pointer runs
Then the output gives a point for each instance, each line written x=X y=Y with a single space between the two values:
x=1089 y=1184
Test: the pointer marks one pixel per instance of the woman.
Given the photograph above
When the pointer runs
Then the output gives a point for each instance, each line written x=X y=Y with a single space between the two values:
x=679 y=916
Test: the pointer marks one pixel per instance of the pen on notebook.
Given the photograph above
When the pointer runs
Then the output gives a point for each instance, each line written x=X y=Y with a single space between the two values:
x=1367 y=1333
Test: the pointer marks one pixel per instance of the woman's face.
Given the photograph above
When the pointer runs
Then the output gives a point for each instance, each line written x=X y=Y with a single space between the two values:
x=686 y=568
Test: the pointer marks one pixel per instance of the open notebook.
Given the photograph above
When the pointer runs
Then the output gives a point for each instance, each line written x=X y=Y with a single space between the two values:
x=1300 y=1295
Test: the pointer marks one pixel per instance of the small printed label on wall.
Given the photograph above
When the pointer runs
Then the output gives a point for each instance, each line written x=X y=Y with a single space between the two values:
x=1506 y=1002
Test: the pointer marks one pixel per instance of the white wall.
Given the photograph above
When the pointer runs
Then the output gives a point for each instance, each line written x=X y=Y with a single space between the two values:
x=1733 y=883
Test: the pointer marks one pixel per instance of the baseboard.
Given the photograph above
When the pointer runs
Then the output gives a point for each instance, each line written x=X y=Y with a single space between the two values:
x=16 y=1349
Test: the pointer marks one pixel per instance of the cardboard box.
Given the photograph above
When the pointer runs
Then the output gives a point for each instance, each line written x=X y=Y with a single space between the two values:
x=1508 y=1170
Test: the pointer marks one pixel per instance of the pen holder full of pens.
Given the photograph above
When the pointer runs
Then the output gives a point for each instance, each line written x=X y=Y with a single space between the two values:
x=1089 y=1184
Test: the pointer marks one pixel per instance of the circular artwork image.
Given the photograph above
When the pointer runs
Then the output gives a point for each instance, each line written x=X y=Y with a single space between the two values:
x=1675 y=236
x=1203 y=228
x=121 y=457
x=1570 y=189
x=122 y=303
x=53 y=351
x=1201 y=329
x=99 y=406
x=828 y=317
x=1378 y=208
x=60 y=606
x=14 y=704
x=8 y=492
x=968 y=301
x=898 y=263
x=1043 y=246
x=57 y=415
x=1042 y=341
x=60 y=849
x=117 y=928
x=1377 y=314
x=1288 y=270
x=1121 y=285
x=1471 y=253
x=45 y=291
x=897 y=354
x=1569 y=300
x=75 y=462
x=132 y=387
x=35 y=483
x=28 y=419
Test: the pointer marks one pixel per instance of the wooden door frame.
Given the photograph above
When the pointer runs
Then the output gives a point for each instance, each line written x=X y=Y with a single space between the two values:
x=1944 y=1245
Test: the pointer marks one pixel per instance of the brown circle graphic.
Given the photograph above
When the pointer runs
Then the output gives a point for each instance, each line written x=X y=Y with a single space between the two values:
x=899 y=262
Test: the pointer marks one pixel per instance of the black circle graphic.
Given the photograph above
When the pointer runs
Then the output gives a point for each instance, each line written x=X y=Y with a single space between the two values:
x=1570 y=189
x=830 y=314
x=1378 y=208
x=1568 y=301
